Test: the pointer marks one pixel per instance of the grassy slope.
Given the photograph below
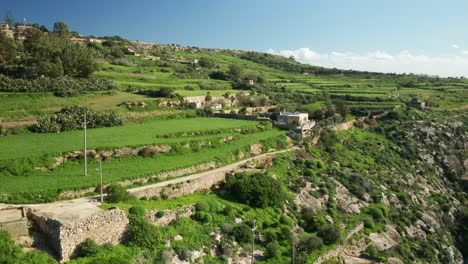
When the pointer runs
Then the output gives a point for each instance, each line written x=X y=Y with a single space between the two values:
x=70 y=175
x=30 y=145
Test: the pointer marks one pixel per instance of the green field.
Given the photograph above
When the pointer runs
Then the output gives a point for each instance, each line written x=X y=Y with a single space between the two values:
x=31 y=148
x=30 y=145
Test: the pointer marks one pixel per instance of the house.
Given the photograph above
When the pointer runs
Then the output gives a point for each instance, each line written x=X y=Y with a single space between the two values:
x=5 y=28
x=416 y=103
x=130 y=51
x=20 y=31
x=295 y=121
x=251 y=82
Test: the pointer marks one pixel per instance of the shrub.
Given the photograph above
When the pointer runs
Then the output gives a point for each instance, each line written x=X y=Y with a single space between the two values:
x=202 y=206
x=270 y=236
x=272 y=250
x=369 y=223
x=3 y=131
x=87 y=248
x=379 y=212
x=329 y=233
x=310 y=243
x=117 y=193
x=137 y=210
x=312 y=221
x=143 y=234
x=160 y=214
x=206 y=62
x=227 y=228
x=203 y=217
x=147 y=152
x=257 y=190
x=242 y=233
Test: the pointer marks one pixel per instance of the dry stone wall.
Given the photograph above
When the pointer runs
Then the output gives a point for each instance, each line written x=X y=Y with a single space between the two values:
x=104 y=227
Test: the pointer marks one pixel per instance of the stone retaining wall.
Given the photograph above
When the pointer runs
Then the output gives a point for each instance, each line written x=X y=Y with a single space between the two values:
x=180 y=188
x=104 y=227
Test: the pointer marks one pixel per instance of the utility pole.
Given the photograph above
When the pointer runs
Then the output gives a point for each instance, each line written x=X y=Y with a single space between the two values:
x=293 y=247
x=85 y=151
x=253 y=241
x=100 y=170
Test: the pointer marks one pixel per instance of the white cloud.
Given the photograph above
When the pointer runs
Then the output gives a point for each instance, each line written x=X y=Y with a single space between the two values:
x=381 y=61
x=455 y=46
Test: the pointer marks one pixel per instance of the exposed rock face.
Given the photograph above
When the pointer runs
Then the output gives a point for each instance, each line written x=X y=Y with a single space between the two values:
x=104 y=227
x=386 y=240
x=346 y=201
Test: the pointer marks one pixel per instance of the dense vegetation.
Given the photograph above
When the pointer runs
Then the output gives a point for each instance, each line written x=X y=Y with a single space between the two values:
x=73 y=118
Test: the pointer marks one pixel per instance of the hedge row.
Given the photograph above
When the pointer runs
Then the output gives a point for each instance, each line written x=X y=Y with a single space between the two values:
x=72 y=118
x=61 y=86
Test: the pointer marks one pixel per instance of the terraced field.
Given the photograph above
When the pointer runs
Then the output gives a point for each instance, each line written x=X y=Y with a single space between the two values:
x=191 y=141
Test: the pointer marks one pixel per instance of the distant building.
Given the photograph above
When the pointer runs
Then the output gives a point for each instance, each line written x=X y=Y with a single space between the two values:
x=295 y=121
x=416 y=103
x=20 y=31
x=5 y=28
x=251 y=82
x=130 y=51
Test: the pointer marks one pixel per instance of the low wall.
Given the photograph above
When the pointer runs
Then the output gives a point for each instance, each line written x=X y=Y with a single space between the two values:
x=179 y=187
x=104 y=227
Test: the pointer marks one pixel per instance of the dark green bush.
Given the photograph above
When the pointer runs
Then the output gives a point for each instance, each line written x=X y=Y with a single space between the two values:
x=87 y=248
x=117 y=193
x=160 y=214
x=137 y=210
x=312 y=221
x=310 y=243
x=143 y=234
x=242 y=233
x=329 y=233
x=257 y=190
x=202 y=206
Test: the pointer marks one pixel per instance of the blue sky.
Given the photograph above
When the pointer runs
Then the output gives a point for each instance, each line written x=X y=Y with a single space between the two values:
x=363 y=34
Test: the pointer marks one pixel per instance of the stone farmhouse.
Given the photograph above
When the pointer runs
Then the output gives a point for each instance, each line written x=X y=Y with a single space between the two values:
x=298 y=122
x=18 y=32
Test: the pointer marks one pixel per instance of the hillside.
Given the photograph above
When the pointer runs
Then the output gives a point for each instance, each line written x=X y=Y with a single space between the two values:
x=375 y=180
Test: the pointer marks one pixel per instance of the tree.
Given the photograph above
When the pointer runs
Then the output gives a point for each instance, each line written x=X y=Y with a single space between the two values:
x=61 y=28
x=206 y=62
x=312 y=220
x=7 y=49
x=342 y=109
x=235 y=72
x=329 y=233
x=310 y=243
x=328 y=139
x=242 y=233
x=9 y=19
x=257 y=190
x=117 y=193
